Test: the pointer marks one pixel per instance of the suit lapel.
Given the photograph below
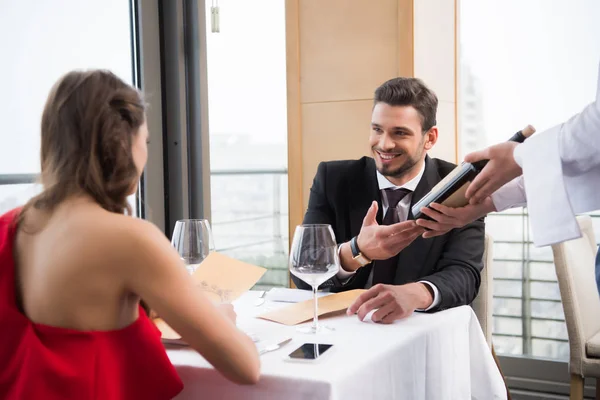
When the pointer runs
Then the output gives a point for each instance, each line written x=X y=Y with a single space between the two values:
x=412 y=258
x=363 y=190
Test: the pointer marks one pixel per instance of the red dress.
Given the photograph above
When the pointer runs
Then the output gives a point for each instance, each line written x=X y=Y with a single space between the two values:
x=44 y=362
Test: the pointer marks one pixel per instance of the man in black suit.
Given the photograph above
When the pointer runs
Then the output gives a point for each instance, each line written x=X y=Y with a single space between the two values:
x=367 y=202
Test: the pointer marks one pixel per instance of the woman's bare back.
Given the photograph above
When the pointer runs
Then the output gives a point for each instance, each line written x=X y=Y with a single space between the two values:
x=69 y=267
x=85 y=268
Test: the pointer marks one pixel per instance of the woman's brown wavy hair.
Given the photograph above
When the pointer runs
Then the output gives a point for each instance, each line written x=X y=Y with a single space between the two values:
x=88 y=126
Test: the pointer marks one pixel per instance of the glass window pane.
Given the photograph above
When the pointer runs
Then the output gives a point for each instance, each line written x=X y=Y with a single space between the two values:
x=549 y=329
x=253 y=227
x=540 y=253
x=542 y=271
x=508 y=326
x=547 y=309
x=508 y=251
x=512 y=307
x=507 y=269
x=507 y=345
x=491 y=109
x=45 y=41
x=544 y=290
x=550 y=349
x=248 y=146
x=507 y=288
x=46 y=38
x=505 y=227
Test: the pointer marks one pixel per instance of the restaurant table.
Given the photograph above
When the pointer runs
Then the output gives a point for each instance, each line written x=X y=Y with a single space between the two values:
x=434 y=356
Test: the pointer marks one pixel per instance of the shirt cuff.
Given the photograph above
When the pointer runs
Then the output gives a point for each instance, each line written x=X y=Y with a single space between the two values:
x=436 y=296
x=510 y=195
x=342 y=274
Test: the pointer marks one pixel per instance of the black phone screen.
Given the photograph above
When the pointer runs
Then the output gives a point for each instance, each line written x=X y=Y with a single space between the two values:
x=310 y=351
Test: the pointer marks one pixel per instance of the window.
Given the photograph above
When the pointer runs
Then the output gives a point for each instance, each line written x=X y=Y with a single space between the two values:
x=524 y=62
x=248 y=135
x=40 y=44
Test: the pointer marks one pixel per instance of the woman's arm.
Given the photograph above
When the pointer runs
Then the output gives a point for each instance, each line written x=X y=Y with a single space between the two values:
x=155 y=272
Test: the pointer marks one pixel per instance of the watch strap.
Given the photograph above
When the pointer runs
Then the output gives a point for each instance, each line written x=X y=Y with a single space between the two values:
x=354 y=246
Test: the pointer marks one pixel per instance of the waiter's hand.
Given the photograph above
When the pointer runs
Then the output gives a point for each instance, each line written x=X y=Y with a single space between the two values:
x=501 y=169
x=392 y=302
x=380 y=242
x=447 y=218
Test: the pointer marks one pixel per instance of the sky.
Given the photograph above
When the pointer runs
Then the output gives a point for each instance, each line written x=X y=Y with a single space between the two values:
x=247 y=70
x=42 y=40
x=537 y=61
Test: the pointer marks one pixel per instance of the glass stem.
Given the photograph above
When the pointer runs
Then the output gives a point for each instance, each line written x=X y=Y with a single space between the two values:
x=316 y=317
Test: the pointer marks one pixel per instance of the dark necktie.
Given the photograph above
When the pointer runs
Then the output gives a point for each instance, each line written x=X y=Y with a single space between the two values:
x=385 y=270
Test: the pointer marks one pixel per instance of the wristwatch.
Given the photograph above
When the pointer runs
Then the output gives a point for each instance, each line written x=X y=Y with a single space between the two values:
x=357 y=255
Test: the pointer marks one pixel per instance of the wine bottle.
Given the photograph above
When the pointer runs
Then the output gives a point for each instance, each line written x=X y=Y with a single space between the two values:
x=450 y=191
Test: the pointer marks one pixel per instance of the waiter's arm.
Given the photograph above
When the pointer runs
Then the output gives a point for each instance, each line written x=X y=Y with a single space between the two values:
x=561 y=169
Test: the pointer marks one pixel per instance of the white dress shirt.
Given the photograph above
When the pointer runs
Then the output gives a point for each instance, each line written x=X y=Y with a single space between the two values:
x=403 y=209
x=511 y=195
x=561 y=174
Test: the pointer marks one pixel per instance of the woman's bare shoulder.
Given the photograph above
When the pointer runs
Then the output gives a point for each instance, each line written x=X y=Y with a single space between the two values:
x=134 y=231
x=143 y=249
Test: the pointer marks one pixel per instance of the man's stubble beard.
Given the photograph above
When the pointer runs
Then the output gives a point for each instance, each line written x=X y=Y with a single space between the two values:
x=404 y=168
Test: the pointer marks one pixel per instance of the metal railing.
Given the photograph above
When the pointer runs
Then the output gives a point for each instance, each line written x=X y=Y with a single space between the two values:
x=252 y=232
x=17 y=179
x=245 y=235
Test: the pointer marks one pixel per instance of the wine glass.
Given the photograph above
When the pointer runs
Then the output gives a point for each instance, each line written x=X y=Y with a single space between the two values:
x=314 y=259
x=192 y=238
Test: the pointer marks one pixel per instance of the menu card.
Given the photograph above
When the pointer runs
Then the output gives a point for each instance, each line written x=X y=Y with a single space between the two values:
x=301 y=312
x=224 y=279
x=221 y=278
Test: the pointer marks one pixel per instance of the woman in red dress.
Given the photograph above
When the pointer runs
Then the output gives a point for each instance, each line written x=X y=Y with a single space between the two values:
x=74 y=265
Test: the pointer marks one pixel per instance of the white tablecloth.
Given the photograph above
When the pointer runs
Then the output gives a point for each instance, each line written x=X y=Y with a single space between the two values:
x=426 y=356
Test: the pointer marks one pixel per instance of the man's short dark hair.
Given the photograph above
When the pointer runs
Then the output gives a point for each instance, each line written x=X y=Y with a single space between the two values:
x=410 y=92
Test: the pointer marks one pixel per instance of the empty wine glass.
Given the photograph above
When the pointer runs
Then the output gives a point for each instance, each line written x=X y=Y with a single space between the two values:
x=314 y=259
x=192 y=238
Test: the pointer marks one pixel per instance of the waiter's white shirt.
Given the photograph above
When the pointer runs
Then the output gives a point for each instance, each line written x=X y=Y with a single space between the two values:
x=561 y=176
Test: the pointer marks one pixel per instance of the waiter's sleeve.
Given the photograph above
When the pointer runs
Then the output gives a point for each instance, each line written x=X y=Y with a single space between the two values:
x=561 y=170
x=552 y=218
x=511 y=195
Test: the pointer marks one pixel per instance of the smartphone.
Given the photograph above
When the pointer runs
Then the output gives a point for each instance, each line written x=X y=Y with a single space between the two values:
x=309 y=352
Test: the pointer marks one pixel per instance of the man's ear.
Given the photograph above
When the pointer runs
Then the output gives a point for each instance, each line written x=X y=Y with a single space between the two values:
x=431 y=137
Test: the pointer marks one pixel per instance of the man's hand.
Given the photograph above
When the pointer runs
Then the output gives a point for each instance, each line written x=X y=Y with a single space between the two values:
x=392 y=302
x=447 y=218
x=501 y=169
x=380 y=242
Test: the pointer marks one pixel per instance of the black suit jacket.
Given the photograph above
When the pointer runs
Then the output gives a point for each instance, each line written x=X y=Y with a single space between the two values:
x=341 y=194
